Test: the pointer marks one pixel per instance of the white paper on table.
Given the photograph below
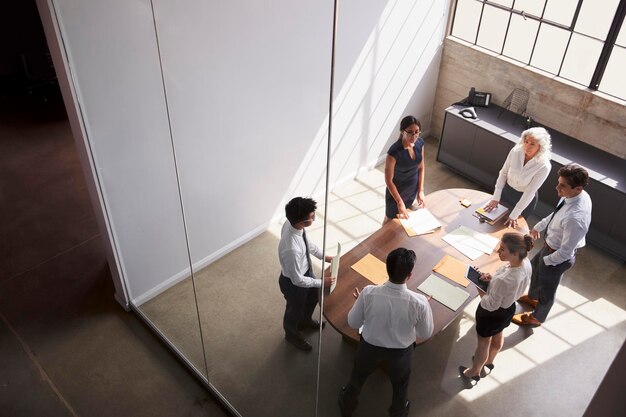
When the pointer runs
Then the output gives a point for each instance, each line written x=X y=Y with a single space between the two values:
x=447 y=294
x=422 y=221
x=334 y=267
x=462 y=247
x=461 y=241
x=470 y=242
x=483 y=241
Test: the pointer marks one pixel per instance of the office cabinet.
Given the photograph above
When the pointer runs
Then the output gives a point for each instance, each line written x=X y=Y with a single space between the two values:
x=477 y=148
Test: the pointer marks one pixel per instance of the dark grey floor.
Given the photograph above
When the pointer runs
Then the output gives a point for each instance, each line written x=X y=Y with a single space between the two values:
x=66 y=347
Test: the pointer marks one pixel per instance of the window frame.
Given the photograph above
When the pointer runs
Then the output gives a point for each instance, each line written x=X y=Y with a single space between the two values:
x=605 y=54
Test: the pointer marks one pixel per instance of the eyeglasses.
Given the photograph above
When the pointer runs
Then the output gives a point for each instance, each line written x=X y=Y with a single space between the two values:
x=408 y=132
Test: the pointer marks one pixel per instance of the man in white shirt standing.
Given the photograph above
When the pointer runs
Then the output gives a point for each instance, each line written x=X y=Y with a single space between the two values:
x=565 y=231
x=297 y=281
x=392 y=317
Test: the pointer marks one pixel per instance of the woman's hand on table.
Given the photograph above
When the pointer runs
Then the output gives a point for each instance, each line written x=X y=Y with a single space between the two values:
x=402 y=213
x=491 y=206
x=356 y=292
x=512 y=223
x=534 y=234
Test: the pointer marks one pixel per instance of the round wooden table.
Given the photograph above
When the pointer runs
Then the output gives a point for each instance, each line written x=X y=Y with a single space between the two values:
x=430 y=248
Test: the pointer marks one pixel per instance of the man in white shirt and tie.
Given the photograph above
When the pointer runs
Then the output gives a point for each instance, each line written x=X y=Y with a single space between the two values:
x=297 y=282
x=565 y=231
x=392 y=317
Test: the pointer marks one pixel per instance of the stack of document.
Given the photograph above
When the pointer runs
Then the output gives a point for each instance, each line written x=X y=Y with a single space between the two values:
x=493 y=216
x=420 y=222
x=470 y=242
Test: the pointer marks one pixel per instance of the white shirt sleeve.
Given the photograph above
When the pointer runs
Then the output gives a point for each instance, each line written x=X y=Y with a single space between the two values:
x=574 y=230
x=425 y=326
x=541 y=225
x=536 y=182
x=314 y=250
x=495 y=294
x=356 y=316
x=502 y=176
x=291 y=270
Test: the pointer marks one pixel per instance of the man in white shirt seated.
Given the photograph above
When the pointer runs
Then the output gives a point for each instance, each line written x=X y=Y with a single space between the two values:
x=392 y=317
x=565 y=231
x=297 y=281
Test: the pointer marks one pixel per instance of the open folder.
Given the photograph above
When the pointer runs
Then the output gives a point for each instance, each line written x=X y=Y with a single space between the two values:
x=420 y=222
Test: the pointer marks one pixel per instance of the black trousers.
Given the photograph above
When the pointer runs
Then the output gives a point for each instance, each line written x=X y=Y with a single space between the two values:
x=368 y=357
x=301 y=303
x=511 y=196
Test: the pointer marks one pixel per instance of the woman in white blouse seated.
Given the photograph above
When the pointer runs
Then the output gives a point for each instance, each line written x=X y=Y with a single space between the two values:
x=526 y=168
x=497 y=306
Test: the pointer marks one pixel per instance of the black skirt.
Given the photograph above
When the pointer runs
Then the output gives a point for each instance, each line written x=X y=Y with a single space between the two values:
x=490 y=323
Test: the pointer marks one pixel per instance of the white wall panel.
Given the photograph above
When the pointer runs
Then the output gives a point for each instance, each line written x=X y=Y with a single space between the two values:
x=247 y=85
x=112 y=54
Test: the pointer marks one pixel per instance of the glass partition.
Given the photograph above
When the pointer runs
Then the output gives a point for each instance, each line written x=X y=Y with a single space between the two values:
x=116 y=80
x=247 y=94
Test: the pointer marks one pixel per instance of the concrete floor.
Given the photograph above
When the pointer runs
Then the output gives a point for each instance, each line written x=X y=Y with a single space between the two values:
x=67 y=348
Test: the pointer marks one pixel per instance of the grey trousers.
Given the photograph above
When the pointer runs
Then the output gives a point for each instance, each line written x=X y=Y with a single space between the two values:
x=544 y=282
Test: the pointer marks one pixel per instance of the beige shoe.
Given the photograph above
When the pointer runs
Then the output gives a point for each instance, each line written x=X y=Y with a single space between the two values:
x=526 y=319
x=527 y=300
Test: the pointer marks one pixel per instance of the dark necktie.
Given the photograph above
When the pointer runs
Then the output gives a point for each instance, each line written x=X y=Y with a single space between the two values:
x=558 y=207
x=308 y=255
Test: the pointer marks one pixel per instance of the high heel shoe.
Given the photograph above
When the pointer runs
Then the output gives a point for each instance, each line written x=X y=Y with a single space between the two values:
x=468 y=381
x=489 y=366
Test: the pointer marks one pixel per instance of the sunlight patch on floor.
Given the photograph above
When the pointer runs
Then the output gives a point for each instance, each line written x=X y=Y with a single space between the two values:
x=572 y=327
x=570 y=298
x=603 y=312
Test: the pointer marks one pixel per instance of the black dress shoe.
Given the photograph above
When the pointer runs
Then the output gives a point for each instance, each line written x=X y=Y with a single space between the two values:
x=311 y=324
x=343 y=408
x=299 y=343
x=402 y=413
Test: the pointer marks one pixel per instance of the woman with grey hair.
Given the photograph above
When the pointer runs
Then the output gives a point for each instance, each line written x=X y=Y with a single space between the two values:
x=525 y=169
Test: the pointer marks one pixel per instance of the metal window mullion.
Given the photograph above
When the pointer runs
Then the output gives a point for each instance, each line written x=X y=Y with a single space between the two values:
x=611 y=38
x=480 y=21
x=506 y=32
x=576 y=13
x=569 y=40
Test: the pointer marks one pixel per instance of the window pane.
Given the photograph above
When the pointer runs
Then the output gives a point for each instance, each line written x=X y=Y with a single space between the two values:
x=466 y=20
x=520 y=39
x=493 y=28
x=550 y=48
x=534 y=7
x=621 y=38
x=506 y=3
x=595 y=18
x=561 y=11
x=613 y=78
x=581 y=59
